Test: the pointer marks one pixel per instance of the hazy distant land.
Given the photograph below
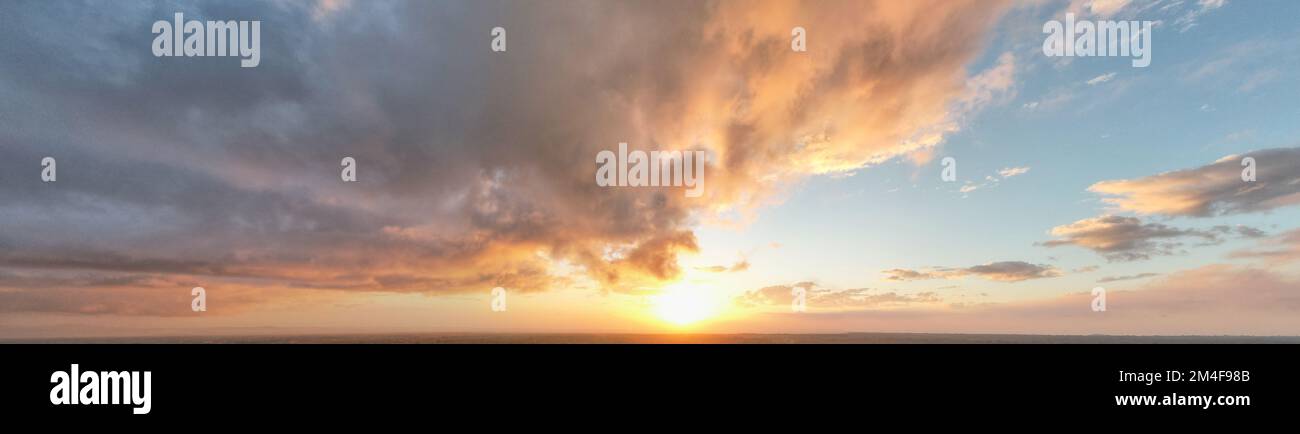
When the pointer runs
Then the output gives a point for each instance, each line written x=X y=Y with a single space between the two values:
x=668 y=338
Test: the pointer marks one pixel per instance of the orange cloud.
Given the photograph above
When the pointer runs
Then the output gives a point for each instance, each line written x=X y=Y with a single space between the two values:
x=1214 y=189
x=482 y=175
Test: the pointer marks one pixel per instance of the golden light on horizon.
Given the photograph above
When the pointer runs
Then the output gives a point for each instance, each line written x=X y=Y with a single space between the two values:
x=683 y=305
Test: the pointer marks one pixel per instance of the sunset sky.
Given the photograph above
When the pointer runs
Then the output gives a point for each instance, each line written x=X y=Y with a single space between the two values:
x=476 y=169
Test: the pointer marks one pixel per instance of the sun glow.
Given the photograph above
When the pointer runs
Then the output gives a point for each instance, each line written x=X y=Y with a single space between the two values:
x=684 y=305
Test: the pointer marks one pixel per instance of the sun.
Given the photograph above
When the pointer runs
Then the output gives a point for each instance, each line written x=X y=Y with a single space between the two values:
x=684 y=305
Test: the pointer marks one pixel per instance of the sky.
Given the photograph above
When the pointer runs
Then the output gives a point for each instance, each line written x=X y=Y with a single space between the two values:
x=824 y=206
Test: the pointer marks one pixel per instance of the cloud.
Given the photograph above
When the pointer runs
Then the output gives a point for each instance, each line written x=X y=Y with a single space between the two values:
x=1101 y=79
x=993 y=86
x=475 y=168
x=1279 y=249
x=993 y=180
x=1241 y=231
x=1123 y=278
x=135 y=294
x=1211 y=190
x=1013 y=171
x=739 y=266
x=815 y=297
x=1054 y=99
x=1006 y=271
x=903 y=274
x=1210 y=300
x=1188 y=20
x=1012 y=271
x=1123 y=238
x=1099 y=8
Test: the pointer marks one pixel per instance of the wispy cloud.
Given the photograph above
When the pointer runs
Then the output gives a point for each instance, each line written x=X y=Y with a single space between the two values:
x=1123 y=278
x=993 y=180
x=1101 y=79
x=1283 y=248
x=817 y=297
x=1006 y=271
x=1206 y=300
x=1013 y=171
x=742 y=265
x=1189 y=19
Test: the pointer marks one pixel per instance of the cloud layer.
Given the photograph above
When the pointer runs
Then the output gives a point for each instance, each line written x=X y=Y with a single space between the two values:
x=1005 y=271
x=475 y=168
x=1208 y=300
x=825 y=298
